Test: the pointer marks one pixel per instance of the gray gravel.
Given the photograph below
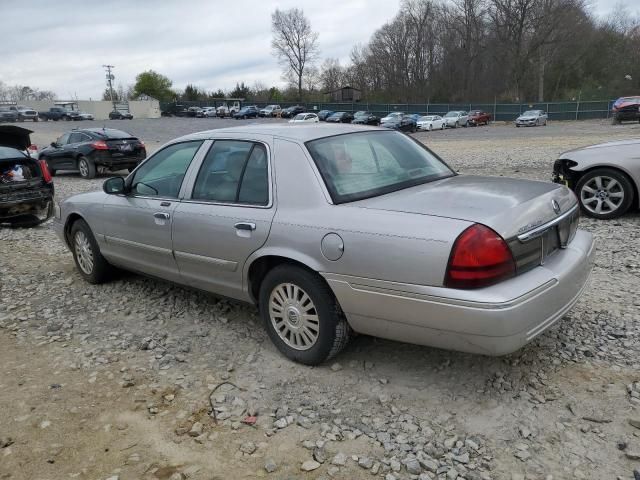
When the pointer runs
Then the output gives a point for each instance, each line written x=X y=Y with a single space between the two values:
x=560 y=407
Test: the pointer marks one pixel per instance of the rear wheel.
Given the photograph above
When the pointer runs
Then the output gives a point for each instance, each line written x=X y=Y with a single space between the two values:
x=302 y=316
x=91 y=264
x=457 y=125
x=604 y=193
x=87 y=167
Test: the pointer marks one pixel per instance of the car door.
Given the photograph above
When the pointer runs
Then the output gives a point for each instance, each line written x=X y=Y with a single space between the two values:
x=137 y=226
x=226 y=217
x=59 y=157
x=71 y=149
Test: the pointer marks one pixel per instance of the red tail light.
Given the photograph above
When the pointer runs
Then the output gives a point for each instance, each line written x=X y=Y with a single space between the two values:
x=33 y=148
x=100 y=145
x=479 y=258
x=46 y=174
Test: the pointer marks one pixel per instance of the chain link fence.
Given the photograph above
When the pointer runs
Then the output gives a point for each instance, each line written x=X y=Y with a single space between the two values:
x=499 y=111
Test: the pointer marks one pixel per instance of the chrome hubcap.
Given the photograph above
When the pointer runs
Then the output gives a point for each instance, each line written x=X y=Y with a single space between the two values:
x=294 y=316
x=602 y=195
x=84 y=255
x=84 y=168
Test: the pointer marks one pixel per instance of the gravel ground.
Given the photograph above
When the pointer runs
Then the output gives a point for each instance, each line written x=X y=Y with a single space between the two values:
x=121 y=381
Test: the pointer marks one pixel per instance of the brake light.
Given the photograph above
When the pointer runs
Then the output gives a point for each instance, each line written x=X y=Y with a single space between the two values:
x=141 y=143
x=479 y=258
x=100 y=145
x=46 y=174
x=33 y=148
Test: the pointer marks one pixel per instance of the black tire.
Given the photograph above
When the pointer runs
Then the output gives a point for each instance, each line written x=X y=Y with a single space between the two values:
x=333 y=330
x=66 y=118
x=626 y=188
x=86 y=167
x=101 y=270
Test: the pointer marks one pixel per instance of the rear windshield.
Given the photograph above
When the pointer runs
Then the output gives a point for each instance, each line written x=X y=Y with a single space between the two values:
x=112 y=133
x=8 y=152
x=367 y=164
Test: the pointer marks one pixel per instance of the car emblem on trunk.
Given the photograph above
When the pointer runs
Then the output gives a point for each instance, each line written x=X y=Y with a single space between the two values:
x=556 y=206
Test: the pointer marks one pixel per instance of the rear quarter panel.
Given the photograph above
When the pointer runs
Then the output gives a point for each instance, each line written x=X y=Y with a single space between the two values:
x=392 y=246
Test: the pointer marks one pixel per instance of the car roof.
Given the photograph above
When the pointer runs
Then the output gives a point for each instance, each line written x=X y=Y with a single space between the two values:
x=300 y=133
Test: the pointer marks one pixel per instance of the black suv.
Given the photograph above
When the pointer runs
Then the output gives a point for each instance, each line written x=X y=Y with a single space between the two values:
x=94 y=150
x=120 y=115
x=292 y=111
x=26 y=187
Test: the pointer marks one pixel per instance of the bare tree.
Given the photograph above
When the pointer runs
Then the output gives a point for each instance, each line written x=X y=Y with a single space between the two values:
x=294 y=43
x=332 y=75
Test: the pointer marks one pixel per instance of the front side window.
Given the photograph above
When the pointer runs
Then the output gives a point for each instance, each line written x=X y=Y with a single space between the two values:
x=367 y=164
x=64 y=139
x=162 y=174
x=234 y=172
x=76 y=137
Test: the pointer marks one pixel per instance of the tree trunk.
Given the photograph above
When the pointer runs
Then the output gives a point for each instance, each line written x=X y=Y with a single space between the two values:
x=300 y=87
x=541 y=79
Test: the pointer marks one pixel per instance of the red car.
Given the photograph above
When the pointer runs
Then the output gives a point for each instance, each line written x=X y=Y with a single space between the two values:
x=626 y=108
x=478 y=117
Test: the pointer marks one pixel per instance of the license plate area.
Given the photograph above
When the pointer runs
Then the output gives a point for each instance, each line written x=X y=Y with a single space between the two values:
x=126 y=147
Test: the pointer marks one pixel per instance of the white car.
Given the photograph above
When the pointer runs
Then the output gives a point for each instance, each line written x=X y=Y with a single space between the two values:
x=532 y=118
x=391 y=117
x=85 y=116
x=456 y=118
x=209 y=112
x=305 y=118
x=430 y=122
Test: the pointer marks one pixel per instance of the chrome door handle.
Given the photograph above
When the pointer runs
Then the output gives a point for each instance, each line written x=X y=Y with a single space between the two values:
x=245 y=226
x=161 y=215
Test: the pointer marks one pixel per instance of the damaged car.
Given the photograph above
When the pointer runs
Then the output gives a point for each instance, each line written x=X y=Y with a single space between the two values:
x=26 y=186
x=605 y=177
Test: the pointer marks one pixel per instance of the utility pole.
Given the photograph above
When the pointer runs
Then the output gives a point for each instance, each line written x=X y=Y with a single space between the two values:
x=110 y=78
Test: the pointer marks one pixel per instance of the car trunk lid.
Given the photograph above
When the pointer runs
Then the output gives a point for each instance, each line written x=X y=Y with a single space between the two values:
x=535 y=218
x=15 y=137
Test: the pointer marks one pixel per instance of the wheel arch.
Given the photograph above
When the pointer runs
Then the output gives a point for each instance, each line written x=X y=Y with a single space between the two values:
x=578 y=174
x=68 y=224
x=257 y=268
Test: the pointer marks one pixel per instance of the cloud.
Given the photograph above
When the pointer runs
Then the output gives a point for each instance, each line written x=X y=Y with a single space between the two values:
x=212 y=44
x=62 y=45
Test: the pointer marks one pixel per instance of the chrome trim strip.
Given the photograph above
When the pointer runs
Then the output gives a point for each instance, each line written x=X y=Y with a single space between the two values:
x=226 y=265
x=423 y=297
x=538 y=231
x=142 y=246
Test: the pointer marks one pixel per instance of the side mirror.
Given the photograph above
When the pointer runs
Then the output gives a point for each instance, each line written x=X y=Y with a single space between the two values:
x=54 y=144
x=114 y=186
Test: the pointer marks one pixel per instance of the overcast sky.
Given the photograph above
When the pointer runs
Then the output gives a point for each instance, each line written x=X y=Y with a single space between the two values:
x=61 y=45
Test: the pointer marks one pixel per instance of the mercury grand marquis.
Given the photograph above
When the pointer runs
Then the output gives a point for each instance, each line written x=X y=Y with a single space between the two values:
x=336 y=229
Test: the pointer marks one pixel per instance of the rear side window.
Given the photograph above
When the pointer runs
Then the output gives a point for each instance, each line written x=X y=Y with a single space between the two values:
x=77 y=137
x=234 y=172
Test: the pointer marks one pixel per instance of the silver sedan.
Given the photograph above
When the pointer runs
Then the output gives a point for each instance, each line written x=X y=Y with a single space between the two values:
x=606 y=177
x=335 y=229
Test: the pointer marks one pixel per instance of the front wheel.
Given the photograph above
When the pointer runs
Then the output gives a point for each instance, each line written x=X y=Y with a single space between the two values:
x=457 y=125
x=87 y=168
x=302 y=316
x=604 y=193
x=90 y=263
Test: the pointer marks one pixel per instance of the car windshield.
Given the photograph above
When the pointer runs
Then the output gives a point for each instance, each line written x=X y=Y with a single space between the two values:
x=300 y=116
x=452 y=114
x=367 y=164
x=395 y=114
x=531 y=113
x=361 y=114
x=425 y=119
x=338 y=114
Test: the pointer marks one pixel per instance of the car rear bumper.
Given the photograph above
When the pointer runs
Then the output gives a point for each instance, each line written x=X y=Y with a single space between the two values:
x=107 y=159
x=16 y=206
x=496 y=320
